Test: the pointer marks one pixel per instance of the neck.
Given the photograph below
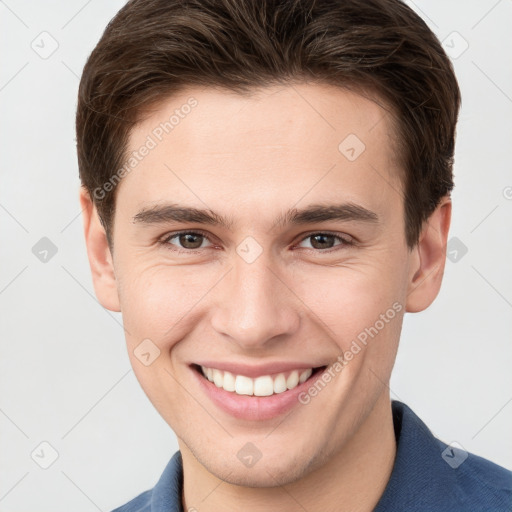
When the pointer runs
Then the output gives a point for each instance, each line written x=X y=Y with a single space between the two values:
x=352 y=479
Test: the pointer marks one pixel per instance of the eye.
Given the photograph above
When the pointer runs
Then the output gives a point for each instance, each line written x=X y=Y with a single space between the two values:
x=188 y=240
x=325 y=241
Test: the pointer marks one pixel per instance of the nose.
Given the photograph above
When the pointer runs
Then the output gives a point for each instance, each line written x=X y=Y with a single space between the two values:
x=254 y=305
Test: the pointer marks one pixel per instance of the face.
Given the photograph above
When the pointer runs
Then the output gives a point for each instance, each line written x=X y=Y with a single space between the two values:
x=261 y=237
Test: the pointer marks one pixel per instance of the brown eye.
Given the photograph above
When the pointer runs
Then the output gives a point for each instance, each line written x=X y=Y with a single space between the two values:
x=191 y=240
x=186 y=240
x=323 y=241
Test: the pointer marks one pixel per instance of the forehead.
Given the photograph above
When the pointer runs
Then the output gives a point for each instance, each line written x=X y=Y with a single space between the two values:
x=274 y=145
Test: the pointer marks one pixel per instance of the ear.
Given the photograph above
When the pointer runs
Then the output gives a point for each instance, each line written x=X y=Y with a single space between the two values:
x=100 y=257
x=429 y=257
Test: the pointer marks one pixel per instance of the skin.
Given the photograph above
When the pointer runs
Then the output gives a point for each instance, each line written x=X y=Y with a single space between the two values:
x=250 y=158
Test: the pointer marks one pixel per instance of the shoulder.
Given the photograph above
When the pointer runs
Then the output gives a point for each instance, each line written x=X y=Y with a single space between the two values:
x=479 y=483
x=430 y=475
x=165 y=496
x=142 y=503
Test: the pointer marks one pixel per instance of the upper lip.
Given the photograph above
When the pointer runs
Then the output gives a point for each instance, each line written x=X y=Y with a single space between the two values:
x=254 y=371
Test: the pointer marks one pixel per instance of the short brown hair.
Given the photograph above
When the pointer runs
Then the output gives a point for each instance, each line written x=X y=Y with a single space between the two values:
x=153 y=48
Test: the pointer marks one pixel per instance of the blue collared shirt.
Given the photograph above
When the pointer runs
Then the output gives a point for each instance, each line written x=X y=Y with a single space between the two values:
x=427 y=476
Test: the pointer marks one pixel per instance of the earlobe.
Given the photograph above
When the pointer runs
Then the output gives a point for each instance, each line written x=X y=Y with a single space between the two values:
x=429 y=257
x=98 y=252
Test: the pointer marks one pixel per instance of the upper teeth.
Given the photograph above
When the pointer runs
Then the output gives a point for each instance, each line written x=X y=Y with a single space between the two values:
x=264 y=385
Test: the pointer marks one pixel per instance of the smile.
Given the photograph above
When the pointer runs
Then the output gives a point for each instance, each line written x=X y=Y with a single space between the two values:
x=254 y=393
x=263 y=385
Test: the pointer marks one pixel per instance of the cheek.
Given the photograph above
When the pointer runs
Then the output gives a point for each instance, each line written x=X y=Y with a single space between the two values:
x=345 y=300
x=360 y=309
x=159 y=309
x=158 y=301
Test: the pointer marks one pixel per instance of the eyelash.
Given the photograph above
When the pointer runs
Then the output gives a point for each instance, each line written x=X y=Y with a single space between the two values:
x=345 y=241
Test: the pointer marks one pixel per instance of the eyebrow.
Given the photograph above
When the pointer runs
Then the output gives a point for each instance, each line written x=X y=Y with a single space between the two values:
x=164 y=213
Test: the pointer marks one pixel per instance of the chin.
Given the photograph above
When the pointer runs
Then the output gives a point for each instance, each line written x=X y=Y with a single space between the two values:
x=275 y=471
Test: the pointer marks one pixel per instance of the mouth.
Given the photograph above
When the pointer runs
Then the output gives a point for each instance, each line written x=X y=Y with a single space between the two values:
x=261 y=386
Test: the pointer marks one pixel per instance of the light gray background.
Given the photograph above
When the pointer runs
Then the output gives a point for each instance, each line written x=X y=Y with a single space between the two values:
x=65 y=377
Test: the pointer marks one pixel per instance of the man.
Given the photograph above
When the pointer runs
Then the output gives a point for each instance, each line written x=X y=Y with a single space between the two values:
x=266 y=193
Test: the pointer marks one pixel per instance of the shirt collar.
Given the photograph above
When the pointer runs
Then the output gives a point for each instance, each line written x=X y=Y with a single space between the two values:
x=419 y=472
x=167 y=492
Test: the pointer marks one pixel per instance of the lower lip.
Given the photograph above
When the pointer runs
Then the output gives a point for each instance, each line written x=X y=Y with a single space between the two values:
x=254 y=408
